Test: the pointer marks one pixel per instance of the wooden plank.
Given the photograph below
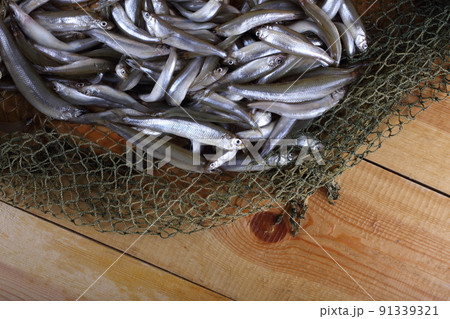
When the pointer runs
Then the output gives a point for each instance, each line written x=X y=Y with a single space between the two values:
x=390 y=234
x=421 y=151
x=42 y=261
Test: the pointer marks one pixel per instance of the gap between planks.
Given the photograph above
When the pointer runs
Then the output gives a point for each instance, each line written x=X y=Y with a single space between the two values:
x=118 y=246
x=420 y=152
x=54 y=221
x=218 y=239
x=43 y=262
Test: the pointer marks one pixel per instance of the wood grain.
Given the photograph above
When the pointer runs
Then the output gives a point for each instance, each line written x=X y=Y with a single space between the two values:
x=390 y=234
x=421 y=151
x=41 y=261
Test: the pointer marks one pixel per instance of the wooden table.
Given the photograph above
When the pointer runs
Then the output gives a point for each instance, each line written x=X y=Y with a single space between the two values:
x=386 y=238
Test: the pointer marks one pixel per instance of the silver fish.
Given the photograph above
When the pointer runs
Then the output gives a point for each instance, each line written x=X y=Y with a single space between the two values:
x=331 y=7
x=252 y=20
x=290 y=63
x=76 y=97
x=321 y=18
x=293 y=92
x=129 y=28
x=252 y=70
x=281 y=129
x=29 y=83
x=206 y=13
x=73 y=20
x=180 y=157
x=221 y=159
x=30 y=5
x=133 y=9
x=161 y=85
x=255 y=135
x=185 y=24
x=352 y=20
x=221 y=103
x=303 y=110
x=160 y=7
x=59 y=55
x=208 y=79
x=250 y=52
x=200 y=132
x=42 y=36
x=81 y=67
x=130 y=81
x=293 y=45
x=113 y=95
x=347 y=39
x=127 y=46
x=247 y=165
x=180 y=86
x=179 y=38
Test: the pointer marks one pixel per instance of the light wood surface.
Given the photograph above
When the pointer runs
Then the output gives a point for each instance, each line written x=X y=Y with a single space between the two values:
x=41 y=261
x=421 y=152
x=389 y=234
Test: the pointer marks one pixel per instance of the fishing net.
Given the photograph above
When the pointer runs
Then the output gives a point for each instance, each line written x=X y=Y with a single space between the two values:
x=80 y=172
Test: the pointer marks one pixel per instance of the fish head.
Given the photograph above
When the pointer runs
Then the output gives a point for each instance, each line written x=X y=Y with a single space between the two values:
x=149 y=17
x=79 y=84
x=103 y=24
x=229 y=61
x=262 y=33
x=220 y=72
x=277 y=60
x=122 y=71
x=235 y=143
x=338 y=94
x=212 y=166
x=290 y=157
x=58 y=87
x=89 y=90
x=361 y=42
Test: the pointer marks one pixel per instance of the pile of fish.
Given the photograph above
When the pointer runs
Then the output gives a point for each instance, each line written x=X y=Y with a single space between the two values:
x=192 y=76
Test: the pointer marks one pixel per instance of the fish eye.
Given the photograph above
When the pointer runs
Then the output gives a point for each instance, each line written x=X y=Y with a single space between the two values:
x=258 y=33
x=146 y=15
x=123 y=71
x=79 y=85
x=237 y=142
x=230 y=62
x=219 y=70
x=104 y=23
x=279 y=60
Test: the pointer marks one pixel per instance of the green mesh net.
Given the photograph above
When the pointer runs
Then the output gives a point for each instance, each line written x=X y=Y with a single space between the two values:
x=80 y=172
